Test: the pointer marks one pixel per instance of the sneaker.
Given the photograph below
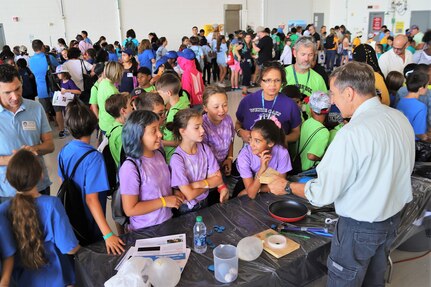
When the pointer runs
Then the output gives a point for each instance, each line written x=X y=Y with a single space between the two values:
x=61 y=135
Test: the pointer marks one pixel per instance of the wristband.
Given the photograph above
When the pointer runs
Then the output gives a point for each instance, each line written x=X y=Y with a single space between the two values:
x=230 y=157
x=220 y=187
x=163 y=201
x=206 y=184
x=108 y=235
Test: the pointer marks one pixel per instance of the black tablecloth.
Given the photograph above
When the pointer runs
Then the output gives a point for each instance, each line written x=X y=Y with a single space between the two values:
x=241 y=217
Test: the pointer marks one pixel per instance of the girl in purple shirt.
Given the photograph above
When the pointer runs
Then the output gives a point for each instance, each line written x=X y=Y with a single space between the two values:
x=194 y=167
x=219 y=129
x=266 y=149
x=144 y=176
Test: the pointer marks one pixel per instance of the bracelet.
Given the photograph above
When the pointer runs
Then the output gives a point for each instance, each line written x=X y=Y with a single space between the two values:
x=163 y=201
x=206 y=183
x=221 y=187
x=230 y=157
x=108 y=235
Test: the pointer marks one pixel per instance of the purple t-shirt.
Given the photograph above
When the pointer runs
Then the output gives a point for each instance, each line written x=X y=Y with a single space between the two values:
x=248 y=164
x=250 y=110
x=154 y=184
x=69 y=85
x=188 y=168
x=219 y=137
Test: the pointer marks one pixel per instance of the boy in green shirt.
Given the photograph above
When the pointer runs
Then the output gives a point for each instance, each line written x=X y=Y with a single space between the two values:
x=314 y=135
x=143 y=76
x=169 y=86
x=119 y=107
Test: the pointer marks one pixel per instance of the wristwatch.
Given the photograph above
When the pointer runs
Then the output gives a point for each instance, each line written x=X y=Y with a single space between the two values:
x=287 y=188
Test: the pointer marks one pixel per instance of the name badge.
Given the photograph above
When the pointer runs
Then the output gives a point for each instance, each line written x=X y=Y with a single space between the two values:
x=28 y=125
x=129 y=75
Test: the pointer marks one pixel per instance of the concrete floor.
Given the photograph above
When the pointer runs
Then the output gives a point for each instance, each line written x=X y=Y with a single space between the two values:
x=413 y=273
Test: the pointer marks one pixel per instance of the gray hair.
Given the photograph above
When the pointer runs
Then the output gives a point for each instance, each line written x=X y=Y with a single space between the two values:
x=359 y=76
x=306 y=42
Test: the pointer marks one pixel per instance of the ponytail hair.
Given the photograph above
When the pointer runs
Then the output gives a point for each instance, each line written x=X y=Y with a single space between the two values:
x=270 y=132
x=181 y=119
x=23 y=173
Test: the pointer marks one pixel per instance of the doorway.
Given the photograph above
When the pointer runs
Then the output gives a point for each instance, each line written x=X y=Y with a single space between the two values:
x=375 y=23
x=232 y=18
x=422 y=19
x=318 y=21
x=2 y=38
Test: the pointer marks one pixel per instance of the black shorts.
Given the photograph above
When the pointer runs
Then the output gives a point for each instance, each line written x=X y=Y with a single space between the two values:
x=47 y=105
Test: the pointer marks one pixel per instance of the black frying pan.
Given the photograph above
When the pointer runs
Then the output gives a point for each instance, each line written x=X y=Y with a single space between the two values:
x=291 y=211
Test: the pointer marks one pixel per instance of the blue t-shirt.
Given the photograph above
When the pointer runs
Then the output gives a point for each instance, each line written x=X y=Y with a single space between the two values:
x=25 y=127
x=250 y=110
x=426 y=99
x=90 y=176
x=7 y=242
x=145 y=59
x=59 y=239
x=39 y=66
x=416 y=113
x=112 y=57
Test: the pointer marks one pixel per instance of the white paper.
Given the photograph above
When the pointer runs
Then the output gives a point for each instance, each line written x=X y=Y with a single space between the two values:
x=62 y=100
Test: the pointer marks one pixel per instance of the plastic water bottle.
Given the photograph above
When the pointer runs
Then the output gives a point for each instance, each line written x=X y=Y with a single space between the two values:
x=200 y=236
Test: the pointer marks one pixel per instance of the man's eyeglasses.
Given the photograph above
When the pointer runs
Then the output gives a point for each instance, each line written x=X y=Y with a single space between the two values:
x=271 y=81
x=399 y=49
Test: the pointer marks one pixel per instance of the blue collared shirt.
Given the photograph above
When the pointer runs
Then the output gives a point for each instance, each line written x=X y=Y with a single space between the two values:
x=366 y=171
x=25 y=127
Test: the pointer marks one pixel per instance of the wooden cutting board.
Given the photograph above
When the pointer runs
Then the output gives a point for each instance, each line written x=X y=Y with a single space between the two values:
x=277 y=253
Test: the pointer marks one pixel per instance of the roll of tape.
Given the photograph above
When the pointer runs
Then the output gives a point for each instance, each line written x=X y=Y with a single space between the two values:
x=276 y=241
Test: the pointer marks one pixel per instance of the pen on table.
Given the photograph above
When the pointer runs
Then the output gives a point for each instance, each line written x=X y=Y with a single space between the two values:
x=294 y=234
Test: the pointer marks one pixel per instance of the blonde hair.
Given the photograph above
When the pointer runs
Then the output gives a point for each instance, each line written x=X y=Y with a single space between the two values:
x=113 y=71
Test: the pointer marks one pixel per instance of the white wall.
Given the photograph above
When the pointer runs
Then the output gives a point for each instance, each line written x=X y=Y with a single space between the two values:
x=42 y=19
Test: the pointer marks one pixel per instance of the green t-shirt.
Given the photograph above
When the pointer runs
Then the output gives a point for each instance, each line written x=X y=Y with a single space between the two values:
x=317 y=145
x=182 y=104
x=106 y=89
x=114 y=141
x=333 y=132
x=151 y=88
x=93 y=93
x=293 y=38
x=307 y=85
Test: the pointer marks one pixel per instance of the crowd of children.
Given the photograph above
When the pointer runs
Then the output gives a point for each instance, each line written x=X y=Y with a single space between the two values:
x=171 y=141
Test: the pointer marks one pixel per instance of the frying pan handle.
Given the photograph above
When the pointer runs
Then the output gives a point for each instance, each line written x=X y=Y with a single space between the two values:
x=321 y=209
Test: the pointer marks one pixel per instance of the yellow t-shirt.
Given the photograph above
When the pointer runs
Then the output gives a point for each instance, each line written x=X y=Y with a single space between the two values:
x=381 y=86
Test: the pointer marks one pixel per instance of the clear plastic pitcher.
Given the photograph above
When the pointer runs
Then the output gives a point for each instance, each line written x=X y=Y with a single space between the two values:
x=225 y=263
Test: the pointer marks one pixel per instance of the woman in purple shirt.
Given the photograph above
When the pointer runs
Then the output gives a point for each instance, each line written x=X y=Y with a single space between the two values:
x=144 y=177
x=194 y=167
x=266 y=150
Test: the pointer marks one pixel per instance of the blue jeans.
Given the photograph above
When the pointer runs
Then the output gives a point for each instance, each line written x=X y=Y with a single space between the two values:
x=330 y=59
x=359 y=252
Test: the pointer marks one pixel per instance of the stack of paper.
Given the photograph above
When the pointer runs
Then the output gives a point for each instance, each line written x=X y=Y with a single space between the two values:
x=172 y=246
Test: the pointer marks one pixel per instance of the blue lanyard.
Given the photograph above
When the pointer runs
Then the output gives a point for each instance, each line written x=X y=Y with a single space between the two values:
x=273 y=104
x=296 y=79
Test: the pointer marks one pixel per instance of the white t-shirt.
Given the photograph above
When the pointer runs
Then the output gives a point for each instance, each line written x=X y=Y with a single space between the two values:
x=390 y=61
x=75 y=70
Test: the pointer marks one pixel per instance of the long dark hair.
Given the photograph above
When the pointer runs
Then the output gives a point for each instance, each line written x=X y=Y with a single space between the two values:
x=270 y=132
x=365 y=53
x=23 y=173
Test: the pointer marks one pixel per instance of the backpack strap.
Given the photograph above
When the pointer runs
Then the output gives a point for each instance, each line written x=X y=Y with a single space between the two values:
x=76 y=165
x=83 y=67
x=309 y=140
x=48 y=60
x=137 y=169
x=110 y=133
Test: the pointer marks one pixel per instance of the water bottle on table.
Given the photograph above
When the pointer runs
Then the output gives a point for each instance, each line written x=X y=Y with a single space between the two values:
x=200 y=236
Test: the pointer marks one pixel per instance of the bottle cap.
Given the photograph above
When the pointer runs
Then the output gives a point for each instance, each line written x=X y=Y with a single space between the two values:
x=199 y=218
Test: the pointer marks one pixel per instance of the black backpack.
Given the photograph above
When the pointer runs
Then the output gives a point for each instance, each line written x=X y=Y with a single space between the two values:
x=52 y=81
x=111 y=166
x=329 y=43
x=71 y=198
x=89 y=82
x=296 y=162
x=130 y=45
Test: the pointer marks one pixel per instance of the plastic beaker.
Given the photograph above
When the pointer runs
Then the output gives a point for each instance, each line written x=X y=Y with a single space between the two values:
x=225 y=263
